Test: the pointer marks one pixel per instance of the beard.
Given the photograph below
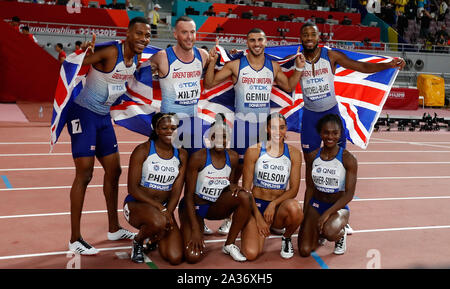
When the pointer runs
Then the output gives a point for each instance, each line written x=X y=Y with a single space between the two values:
x=310 y=50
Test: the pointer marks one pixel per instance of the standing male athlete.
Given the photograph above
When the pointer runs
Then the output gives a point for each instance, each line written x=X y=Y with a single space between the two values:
x=317 y=84
x=253 y=76
x=91 y=131
x=180 y=69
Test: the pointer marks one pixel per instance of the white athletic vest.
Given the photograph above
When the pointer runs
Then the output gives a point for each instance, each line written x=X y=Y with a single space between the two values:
x=318 y=89
x=102 y=89
x=271 y=172
x=159 y=173
x=180 y=88
x=211 y=180
x=329 y=176
x=253 y=88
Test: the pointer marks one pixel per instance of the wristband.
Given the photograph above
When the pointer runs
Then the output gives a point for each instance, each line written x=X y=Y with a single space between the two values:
x=299 y=69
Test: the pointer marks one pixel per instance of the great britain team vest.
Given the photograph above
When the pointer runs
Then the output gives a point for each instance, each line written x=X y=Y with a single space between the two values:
x=253 y=88
x=102 y=89
x=272 y=172
x=318 y=86
x=329 y=176
x=211 y=180
x=180 y=88
x=159 y=173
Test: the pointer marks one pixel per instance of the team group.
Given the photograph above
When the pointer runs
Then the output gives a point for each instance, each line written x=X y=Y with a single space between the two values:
x=249 y=146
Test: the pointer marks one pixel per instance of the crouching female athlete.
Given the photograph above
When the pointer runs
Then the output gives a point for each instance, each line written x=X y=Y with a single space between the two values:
x=155 y=180
x=209 y=195
x=331 y=185
x=272 y=172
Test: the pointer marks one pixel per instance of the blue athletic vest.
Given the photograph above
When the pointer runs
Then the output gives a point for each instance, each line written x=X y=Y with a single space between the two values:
x=159 y=173
x=318 y=88
x=253 y=89
x=272 y=172
x=102 y=89
x=329 y=176
x=180 y=88
x=212 y=180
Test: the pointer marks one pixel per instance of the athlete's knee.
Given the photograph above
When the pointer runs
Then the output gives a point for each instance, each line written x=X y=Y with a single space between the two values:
x=250 y=252
x=333 y=232
x=84 y=176
x=114 y=172
x=305 y=250
x=294 y=211
x=175 y=258
x=245 y=199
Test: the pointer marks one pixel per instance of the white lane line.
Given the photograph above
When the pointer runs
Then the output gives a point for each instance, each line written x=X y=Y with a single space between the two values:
x=401 y=229
x=63 y=142
x=413 y=143
x=125 y=167
x=301 y=202
x=221 y=241
x=48 y=169
x=58 y=253
x=124 y=185
x=128 y=153
x=46 y=154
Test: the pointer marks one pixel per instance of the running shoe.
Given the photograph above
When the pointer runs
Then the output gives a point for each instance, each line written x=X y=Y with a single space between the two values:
x=348 y=229
x=121 y=234
x=150 y=246
x=207 y=230
x=322 y=241
x=341 y=246
x=234 y=252
x=225 y=227
x=82 y=247
x=287 y=250
x=137 y=252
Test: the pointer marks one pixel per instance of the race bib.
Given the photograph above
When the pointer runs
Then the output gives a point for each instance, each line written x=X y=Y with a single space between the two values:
x=187 y=93
x=257 y=96
x=212 y=188
x=316 y=88
x=114 y=91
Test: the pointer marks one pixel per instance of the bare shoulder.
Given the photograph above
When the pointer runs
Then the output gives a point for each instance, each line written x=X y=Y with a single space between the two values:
x=183 y=154
x=294 y=151
x=349 y=159
x=232 y=153
x=253 y=151
x=159 y=55
x=198 y=156
x=204 y=54
x=141 y=150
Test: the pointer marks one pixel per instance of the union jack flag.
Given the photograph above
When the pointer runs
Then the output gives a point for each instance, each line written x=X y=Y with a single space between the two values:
x=360 y=96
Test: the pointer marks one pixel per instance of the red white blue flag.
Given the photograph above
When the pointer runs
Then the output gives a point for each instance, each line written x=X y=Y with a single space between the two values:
x=360 y=96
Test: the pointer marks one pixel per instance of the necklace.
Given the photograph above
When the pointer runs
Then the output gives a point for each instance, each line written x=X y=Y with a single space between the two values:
x=313 y=60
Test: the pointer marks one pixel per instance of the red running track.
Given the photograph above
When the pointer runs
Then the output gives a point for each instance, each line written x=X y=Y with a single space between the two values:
x=400 y=214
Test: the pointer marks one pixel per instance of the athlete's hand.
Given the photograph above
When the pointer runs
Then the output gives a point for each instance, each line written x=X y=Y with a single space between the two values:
x=155 y=70
x=398 y=62
x=233 y=51
x=321 y=222
x=196 y=246
x=269 y=213
x=169 y=220
x=263 y=227
x=213 y=55
x=300 y=61
x=90 y=45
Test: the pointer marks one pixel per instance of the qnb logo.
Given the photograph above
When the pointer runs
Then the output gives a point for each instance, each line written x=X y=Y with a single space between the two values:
x=73 y=6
